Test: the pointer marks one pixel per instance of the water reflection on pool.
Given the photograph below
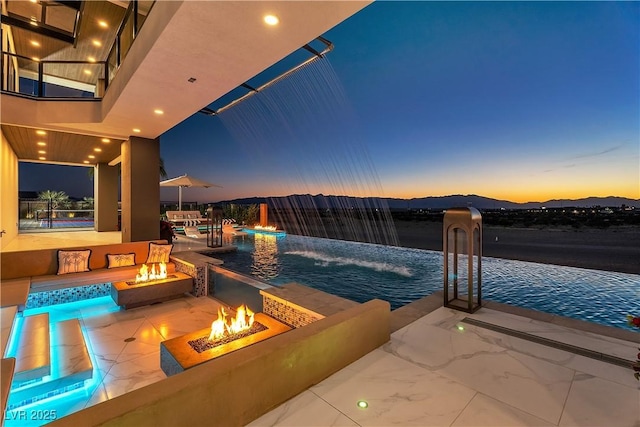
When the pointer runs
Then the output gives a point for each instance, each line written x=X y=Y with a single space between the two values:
x=362 y=271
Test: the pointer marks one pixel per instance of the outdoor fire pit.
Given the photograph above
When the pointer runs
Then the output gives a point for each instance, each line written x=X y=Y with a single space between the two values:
x=151 y=285
x=225 y=335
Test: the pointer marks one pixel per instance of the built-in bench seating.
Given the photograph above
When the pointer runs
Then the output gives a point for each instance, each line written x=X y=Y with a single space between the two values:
x=34 y=271
x=185 y=218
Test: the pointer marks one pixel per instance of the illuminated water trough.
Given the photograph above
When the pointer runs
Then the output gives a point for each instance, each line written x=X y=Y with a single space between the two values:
x=186 y=351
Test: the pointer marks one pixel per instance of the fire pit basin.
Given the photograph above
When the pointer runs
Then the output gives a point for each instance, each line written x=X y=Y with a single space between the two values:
x=177 y=354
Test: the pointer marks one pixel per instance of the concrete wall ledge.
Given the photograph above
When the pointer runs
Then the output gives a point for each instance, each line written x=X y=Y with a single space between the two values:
x=239 y=387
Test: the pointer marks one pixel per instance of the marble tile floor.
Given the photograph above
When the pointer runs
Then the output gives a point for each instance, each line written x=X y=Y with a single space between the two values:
x=435 y=371
x=438 y=371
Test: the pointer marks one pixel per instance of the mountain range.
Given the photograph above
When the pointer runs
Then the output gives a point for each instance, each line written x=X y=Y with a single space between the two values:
x=432 y=202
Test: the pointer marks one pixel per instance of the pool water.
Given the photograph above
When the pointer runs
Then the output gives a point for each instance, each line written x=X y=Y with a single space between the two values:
x=362 y=271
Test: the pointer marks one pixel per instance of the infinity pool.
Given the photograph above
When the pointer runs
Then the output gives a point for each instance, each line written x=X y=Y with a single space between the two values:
x=362 y=271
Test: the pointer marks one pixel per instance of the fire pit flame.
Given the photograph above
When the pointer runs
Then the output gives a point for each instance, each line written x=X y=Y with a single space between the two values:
x=147 y=274
x=224 y=326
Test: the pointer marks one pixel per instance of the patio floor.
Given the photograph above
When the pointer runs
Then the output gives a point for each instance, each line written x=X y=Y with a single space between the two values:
x=435 y=371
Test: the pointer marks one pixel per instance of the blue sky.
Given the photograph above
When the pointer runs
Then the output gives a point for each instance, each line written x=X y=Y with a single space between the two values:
x=514 y=100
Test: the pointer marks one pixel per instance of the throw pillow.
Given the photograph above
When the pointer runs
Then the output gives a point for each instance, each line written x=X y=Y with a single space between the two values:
x=158 y=253
x=121 y=260
x=73 y=261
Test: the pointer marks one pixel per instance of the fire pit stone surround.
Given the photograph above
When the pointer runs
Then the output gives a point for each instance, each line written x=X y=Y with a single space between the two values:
x=297 y=305
x=195 y=265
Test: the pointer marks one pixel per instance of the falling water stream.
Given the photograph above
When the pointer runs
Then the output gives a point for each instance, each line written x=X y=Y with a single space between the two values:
x=304 y=131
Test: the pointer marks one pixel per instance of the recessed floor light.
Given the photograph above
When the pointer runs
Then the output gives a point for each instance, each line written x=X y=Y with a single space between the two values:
x=136 y=130
x=41 y=132
x=106 y=140
x=158 y=112
x=97 y=150
x=362 y=404
x=271 y=20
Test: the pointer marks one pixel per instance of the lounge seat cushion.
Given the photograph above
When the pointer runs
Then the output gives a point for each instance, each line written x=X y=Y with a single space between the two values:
x=103 y=275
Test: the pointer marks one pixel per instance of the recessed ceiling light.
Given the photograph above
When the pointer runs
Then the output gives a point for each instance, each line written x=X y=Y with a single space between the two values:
x=33 y=21
x=97 y=149
x=42 y=152
x=97 y=43
x=91 y=59
x=158 y=111
x=41 y=132
x=106 y=140
x=87 y=72
x=42 y=158
x=35 y=58
x=35 y=43
x=42 y=143
x=103 y=24
x=86 y=162
x=91 y=156
x=33 y=1
x=271 y=20
x=136 y=130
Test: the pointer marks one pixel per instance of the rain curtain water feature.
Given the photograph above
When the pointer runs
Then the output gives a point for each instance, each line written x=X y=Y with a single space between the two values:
x=304 y=132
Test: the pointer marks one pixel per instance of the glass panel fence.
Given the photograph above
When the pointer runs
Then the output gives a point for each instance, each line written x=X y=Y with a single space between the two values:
x=39 y=215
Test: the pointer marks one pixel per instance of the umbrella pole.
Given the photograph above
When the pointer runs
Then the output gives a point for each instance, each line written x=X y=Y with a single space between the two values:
x=180 y=198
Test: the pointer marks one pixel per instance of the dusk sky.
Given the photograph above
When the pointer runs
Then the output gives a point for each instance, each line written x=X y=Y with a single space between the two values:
x=523 y=101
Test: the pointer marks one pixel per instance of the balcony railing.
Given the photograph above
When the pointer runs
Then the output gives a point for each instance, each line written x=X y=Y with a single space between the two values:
x=53 y=79
x=73 y=79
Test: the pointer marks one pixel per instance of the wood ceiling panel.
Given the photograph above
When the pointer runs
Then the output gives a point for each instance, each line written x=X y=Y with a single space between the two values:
x=60 y=147
x=93 y=43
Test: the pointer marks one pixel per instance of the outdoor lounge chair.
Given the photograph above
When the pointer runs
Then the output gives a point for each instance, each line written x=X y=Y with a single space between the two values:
x=194 y=232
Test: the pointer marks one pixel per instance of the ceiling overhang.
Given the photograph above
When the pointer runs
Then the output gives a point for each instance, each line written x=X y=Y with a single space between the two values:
x=220 y=44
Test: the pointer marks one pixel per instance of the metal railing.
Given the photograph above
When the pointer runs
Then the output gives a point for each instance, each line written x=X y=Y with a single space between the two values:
x=53 y=79
x=35 y=215
x=73 y=79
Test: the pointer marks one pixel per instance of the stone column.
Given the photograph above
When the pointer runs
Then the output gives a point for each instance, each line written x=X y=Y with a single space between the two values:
x=105 y=191
x=140 y=218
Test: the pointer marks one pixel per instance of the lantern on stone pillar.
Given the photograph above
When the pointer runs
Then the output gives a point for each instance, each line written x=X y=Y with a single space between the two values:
x=462 y=247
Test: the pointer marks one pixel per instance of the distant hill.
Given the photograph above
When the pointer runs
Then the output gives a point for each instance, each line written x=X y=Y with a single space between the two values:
x=439 y=202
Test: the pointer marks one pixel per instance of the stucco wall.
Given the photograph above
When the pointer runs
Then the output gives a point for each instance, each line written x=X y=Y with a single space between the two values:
x=9 y=192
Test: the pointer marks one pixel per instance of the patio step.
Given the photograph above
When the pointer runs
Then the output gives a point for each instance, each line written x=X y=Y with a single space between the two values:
x=70 y=366
x=6 y=376
x=33 y=355
x=7 y=320
x=15 y=292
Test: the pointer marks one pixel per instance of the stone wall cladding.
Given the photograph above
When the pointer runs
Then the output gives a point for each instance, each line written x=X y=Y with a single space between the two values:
x=61 y=296
x=199 y=274
x=287 y=314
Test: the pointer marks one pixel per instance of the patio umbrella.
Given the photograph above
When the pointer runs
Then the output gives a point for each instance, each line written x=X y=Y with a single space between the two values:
x=185 y=181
